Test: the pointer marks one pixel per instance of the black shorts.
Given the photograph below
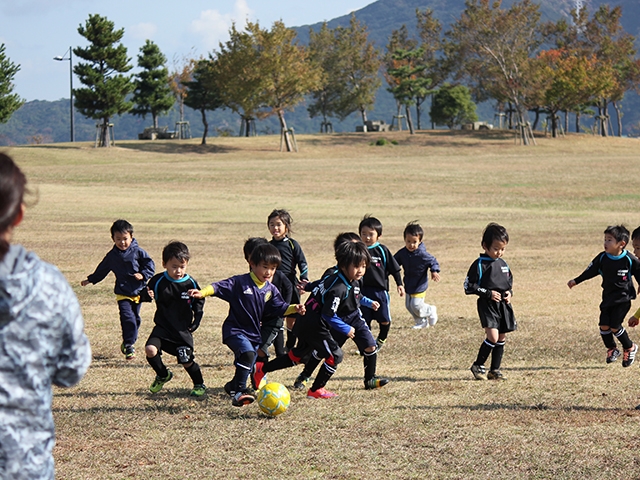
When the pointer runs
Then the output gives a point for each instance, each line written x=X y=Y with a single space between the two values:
x=183 y=353
x=314 y=334
x=498 y=315
x=613 y=316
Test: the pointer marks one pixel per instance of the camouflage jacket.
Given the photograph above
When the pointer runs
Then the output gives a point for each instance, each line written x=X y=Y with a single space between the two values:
x=42 y=342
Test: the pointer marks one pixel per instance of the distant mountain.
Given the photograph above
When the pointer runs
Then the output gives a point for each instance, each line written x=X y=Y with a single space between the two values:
x=41 y=121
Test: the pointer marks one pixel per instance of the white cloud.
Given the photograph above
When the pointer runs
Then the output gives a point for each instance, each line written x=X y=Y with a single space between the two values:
x=142 y=31
x=213 y=26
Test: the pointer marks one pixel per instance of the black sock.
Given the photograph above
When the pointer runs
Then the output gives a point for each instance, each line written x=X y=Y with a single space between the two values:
x=384 y=331
x=243 y=369
x=496 y=356
x=158 y=366
x=485 y=350
x=278 y=364
x=607 y=338
x=370 y=360
x=278 y=344
x=623 y=338
x=195 y=373
x=311 y=365
x=323 y=377
x=291 y=339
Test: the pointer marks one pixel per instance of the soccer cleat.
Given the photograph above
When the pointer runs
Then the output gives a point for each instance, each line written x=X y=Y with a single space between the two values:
x=421 y=324
x=612 y=355
x=129 y=352
x=479 y=372
x=629 y=355
x=321 y=393
x=257 y=376
x=159 y=382
x=433 y=316
x=495 y=375
x=240 y=399
x=380 y=343
x=301 y=382
x=375 y=382
x=198 y=390
x=229 y=390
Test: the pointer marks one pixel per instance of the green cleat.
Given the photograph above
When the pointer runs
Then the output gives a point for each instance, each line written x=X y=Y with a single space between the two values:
x=159 y=382
x=198 y=390
x=375 y=382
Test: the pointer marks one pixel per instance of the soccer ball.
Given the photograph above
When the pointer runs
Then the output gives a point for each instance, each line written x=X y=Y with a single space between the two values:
x=273 y=398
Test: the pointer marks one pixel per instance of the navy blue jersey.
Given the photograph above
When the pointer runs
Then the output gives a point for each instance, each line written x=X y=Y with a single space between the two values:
x=617 y=276
x=381 y=266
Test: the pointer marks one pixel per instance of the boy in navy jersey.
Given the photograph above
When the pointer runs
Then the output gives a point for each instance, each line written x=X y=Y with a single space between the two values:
x=490 y=278
x=375 y=283
x=251 y=298
x=177 y=317
x=617 y=267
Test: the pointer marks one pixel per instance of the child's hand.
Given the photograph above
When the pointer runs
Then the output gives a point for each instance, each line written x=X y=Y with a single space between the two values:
x=138 y=276
x=496 y=296
x=84 y=282
x=571 y=283
x=301 y=285
x=401 y=290
x=194 y=326
x=352 y=333
x=633 y=322
x=195 y=293
x=435 y=276
x=301 y=309
x=150 y=293
x=507 y=297
x=375 y=306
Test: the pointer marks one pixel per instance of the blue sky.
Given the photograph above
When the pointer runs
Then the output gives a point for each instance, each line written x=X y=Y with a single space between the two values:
x=35 y=31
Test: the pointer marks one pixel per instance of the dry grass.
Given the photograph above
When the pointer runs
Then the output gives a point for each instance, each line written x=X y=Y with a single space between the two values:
x=563 y=413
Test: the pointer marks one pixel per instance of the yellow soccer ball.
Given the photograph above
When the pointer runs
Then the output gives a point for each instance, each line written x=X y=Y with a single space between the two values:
x=273 y=399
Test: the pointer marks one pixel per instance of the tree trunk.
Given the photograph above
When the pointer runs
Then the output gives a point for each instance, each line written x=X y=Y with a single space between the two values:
x=618 y=117
x=419 y=101
x=604 y=119
x=363 y=111
x=284 y=131
x=554 y=125
x=155 y=120
x=206 y=126
x=566 y=121
x=520 y=117
x=577 y=122
x=104 y=134
x=537 y=119
x=247 y=130
x=407 y=110
x=181 y=102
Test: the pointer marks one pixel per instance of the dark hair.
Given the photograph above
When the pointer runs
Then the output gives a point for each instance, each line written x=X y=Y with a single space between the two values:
x=121 y=226
x=177 y=250
x=345 y=237
x=635 y=234
x=251 y=244
x=266 y=253
x=352 y=254
x=619 y=232
x=372 y=223
x=414 y=229
x=493 y=232
x=12 y=189
x=282 y=215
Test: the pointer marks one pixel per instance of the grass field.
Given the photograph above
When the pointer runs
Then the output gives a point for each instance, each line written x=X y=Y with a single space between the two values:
x=563 y=413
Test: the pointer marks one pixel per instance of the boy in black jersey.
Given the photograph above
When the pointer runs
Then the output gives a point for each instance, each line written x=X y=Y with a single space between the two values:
x=331 y=303
x=490 y=278
x=375 y=283
x=617 y=266
x=177 y=317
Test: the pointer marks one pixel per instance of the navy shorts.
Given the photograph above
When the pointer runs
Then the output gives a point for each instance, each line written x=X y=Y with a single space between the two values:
x=383 y=314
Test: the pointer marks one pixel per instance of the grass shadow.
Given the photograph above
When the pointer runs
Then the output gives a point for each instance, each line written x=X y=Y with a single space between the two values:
x=173 y=148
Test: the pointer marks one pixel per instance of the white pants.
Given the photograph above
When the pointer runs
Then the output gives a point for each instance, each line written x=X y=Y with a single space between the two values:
x=417 y=307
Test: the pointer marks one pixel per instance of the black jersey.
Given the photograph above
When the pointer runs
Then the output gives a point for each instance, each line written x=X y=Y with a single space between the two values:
x=175 y=310
x=292 y=256
x=617 y=276
x=381 y=266
x=486 y=274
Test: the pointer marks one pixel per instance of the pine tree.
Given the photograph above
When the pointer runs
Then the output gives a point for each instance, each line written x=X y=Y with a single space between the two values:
x=102 y=73
x=152 y=92
x=9 y=102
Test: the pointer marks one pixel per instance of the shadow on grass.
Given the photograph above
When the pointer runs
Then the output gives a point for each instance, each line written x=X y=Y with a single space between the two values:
x=177 y=148
x=488 y=407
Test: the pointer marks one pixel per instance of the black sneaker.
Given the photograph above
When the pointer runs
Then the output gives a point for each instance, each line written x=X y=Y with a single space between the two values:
x=495 y=375
x=479 y=372
x=240 y=399
x=375 y=382
x=612 y=355
x=301 y=382
x=229 y=390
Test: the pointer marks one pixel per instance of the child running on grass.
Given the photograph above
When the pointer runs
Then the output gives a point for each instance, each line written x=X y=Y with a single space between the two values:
x=279 y=223
x=490 y=278
x=375 y=283
x=132 y=267
x=617 y=267
x=330 y=304
x=251 y=298
x=177 y=317
x=417 y=263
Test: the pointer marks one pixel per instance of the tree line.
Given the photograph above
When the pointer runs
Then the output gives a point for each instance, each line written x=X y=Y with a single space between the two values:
x=582 y=65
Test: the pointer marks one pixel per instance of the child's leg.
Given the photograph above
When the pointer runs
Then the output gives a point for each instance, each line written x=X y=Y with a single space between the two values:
x=185 y=357
x=245 y=356
x=269 y=332
x=497 y=353
x=278 y=343
x=154 y=357
x=332 y=354
x=129 y=321
x=383 y=315
x=419 y=309
x=291 y=337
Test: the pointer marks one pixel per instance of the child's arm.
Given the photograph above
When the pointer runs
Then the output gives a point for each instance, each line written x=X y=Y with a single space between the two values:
x=147 y=267
x=634 y=321
x=435 y=276
x=367 y=302
x=590 y=272
x=301 y=261
x=102 y=270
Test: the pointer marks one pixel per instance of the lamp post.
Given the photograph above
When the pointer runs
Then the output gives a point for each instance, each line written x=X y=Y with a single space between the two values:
x=59 y=58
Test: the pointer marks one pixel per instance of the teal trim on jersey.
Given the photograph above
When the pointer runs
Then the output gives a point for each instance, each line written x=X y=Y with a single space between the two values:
x=384 y=257
x=625 y=253
x=166 y=276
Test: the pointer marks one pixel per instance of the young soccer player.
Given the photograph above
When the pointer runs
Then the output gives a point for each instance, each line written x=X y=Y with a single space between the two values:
x=617 y=266
x=177 y=317
x=251 y=298
x=490 y=278
x=417 y=263
x=635 y=242
x=330 y=304
x=132 y=268
x=375 y=283
x=279 y=223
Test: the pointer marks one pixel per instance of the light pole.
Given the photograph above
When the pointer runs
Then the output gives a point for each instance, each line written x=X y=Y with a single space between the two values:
x=59 y=58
